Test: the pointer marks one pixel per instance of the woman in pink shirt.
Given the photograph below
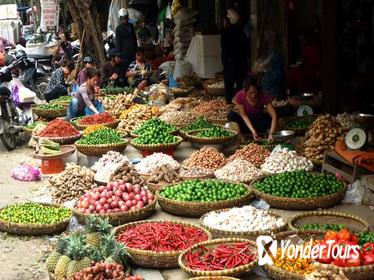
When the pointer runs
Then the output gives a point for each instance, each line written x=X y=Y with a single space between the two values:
x=251 y=103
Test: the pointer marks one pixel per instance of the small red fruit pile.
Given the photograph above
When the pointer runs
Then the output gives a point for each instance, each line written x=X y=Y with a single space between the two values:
x=58 y=128
x=114 y=197
x=101 y=271
x=102 y=118
x=345 y=250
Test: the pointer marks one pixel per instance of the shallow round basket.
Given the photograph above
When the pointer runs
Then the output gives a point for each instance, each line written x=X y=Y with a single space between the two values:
x=282 y=274
x=84 y=126
x=252 y=235
x=215 y=91
x=351 y=222
x=101 y=183
x=135 y=135
x=198 y=177
x=74 y=122
x=191 y=136
x=62 y=140
x=35 y=229
x=215 y=278
x=98 y=150
x=364 y=272
x=298 y=131
x=145 y=258
x=157 y=147
x=196 y=209
x=226 y=272
x=120 y=218
x=48 y=113
x=308 y=203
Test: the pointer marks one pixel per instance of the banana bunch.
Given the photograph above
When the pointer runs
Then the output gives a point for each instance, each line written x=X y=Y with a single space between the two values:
x=48 y=147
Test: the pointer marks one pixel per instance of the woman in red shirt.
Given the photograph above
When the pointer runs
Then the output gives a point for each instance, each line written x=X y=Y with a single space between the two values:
x=250 y=103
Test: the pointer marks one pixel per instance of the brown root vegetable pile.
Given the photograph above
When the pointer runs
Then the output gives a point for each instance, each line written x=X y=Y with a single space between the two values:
x=214 y=111
x=101 y=271
x=321 y=137
x=127 y=173
x=253 y=153
x=164 y=174
x=207 y=157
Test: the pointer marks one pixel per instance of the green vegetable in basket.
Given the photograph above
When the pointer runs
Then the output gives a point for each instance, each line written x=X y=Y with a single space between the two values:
x=155 y=137
x=300 y=123
x=365 y=237
x=214 y=132
x=34 y=124
x=64 y=98
x=299 y=184
x=50 y=106
x=154 y=125
x=204 y=190
x=102 y=136
x=334 y=227
x=199 y=123
x=34 y=213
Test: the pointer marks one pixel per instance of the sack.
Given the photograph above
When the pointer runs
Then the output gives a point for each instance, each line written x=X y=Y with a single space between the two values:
x=25 y=172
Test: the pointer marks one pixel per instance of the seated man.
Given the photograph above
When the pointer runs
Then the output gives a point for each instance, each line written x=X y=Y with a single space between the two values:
x=139 y=71
x=113 y=71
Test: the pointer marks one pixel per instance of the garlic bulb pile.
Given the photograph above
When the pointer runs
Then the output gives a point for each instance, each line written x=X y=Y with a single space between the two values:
x=285 y=160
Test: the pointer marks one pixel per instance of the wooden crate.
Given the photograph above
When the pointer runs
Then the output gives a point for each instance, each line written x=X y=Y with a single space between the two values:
x=334 y=163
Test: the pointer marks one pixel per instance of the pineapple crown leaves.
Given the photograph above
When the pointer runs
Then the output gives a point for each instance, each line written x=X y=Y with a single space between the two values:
x=96 y=224
x=76 y=247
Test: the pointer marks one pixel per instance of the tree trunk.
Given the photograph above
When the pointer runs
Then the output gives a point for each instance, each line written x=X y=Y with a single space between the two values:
x=85 y=14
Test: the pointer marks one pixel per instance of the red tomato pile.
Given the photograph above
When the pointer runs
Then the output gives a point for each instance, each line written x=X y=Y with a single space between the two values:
x=115 y=197
x=347 y=252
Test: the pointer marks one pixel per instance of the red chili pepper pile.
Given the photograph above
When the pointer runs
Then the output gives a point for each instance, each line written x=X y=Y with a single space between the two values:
x=224 y=256
x=98 y=119
x=58 y=128
x=161 y=236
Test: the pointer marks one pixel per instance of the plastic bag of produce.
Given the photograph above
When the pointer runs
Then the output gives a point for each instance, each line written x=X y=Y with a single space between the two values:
x=25 y=172
x=182 y=68
x=354 y=193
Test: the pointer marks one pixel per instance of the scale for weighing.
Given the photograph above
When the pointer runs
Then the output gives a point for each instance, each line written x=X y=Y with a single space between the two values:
x=304 y=110
x=362 y=132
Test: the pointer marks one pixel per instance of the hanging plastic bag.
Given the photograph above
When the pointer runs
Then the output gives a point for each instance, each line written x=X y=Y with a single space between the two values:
x=354 y=193
x=26 y=172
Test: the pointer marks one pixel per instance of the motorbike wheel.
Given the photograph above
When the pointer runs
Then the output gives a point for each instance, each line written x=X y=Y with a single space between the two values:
x=8 y=138
x=41 y=85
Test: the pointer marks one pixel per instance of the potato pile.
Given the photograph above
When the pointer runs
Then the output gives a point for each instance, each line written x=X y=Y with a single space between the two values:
x=207 y=157
x=178 y=118
x=72 y=183
x=214 y=111
x=127 y=173
x=115 y=106
x=164 y=175
x=182 y=104
x=134 y=117
x=321 y=137
x=253 y=153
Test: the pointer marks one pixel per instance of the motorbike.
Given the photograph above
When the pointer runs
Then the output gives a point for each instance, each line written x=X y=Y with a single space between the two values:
x=15 y=105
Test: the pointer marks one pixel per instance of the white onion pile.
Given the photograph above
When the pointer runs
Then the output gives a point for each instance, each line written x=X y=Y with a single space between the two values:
x=148 y=164
x=238 y=170
x=285 y=160
x=247 y=218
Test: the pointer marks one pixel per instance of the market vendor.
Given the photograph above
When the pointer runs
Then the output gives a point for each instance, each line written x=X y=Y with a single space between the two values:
x=88 y=62
x=250 y=103
x=56 y=85
x=139 y=71
x=113 y=71
x=84 y=102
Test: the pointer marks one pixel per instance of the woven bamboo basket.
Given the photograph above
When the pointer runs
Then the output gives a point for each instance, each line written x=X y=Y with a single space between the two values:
x=153 y=259
x=213 y=278
x=120 y=218
x=198 y=177
x=84 y=126
x=35 y=229
x=226 y=272
x=98 y=150
x=157 y=147
x=282 y=274
x=135 y=135
x=351 y=222
x=49 y=114
x=298 y=131
x=74 y=122
x=154 y=187
x=62 y=140
x=196 y=209
x=308 y=203
x=364 y=272
x=252 y=235
x=191 y=136
x=101 y=183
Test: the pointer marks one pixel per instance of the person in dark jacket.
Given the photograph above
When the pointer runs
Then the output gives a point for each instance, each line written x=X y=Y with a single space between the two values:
x=126 y=41
x=113 y=71
x=234 y=55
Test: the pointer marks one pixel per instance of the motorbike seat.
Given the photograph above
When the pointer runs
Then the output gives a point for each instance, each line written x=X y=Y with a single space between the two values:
x=41 y=56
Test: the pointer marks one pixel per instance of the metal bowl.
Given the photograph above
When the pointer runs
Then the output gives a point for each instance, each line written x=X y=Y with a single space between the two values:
x=283 y=135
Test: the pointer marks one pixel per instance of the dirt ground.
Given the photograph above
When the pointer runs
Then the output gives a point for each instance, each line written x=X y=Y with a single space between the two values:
x=23 y=258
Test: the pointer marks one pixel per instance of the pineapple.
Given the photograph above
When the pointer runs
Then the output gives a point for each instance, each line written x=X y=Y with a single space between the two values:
x=55 y=256
x=84 y=263
x=61 y=267
x=77 y=250
x=72 y=268
x=113 y=251
x=96 y=227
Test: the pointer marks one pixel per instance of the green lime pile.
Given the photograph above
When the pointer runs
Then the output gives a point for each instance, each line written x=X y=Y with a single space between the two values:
x=101 y=137
x=334 y=227
x=304 y=123
x=155 y=137
x=64 y=98
x=299 y=184
x=154 y=125
x=214 y=132
x=50 y=106
x=199 y=123
x=204 y=190
x=34 y=213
